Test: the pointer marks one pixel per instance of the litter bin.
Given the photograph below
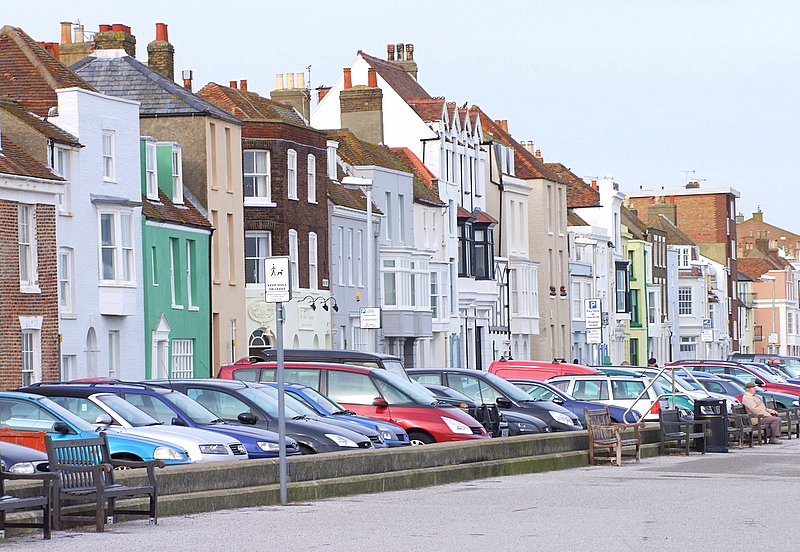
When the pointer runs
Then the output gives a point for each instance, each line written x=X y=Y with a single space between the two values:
x=715 y=411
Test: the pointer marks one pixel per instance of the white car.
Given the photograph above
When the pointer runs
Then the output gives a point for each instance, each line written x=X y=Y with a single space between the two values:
x=113 y=413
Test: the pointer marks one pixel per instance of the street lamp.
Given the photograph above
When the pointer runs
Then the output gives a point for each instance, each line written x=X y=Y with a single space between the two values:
x=768 y=278
x=365 y=185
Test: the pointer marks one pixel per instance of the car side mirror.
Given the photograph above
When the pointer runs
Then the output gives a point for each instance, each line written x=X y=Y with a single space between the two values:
x=557 y=400
x=380 y=402
x=176 y=421
x=62 y=427
x=503 y=402
x=103 y=419
x=759 y=382
x=247 y=418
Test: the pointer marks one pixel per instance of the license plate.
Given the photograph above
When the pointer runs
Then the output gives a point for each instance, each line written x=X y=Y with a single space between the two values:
x=503 y=433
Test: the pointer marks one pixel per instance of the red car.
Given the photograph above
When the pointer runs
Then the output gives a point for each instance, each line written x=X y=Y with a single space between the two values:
x=743 y=371
x=371 y=392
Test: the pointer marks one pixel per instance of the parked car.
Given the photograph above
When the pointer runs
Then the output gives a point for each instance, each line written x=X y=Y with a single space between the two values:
x=745 y=372
x=376 y=393
x=16 y=458
x=516 y=423
x=393 y=434
x=255 y=404
x=624 y=391
x=486 y=388
x=543 y=391
x=536 y=369
x=780 y=371
x=109 y=412
x=29 y=411
x=173 y=408
x=333 y=356
x=789 y=364
x=734 y=387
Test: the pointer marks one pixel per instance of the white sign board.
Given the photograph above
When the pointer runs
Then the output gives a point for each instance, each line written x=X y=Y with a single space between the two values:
x=594 y=318
x=594 y=335
x=370 y=318
x=772 y=338
x=277 y=280
x=706 y=336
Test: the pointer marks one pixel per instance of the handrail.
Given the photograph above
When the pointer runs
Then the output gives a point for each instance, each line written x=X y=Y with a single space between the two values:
x=649 y=385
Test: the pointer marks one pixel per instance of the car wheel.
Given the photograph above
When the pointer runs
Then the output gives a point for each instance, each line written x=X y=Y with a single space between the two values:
x=125 y=456
x=420 y=438
x=305 y=449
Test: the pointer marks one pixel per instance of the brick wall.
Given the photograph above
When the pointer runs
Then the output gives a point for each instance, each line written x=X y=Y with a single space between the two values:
x=14 y=304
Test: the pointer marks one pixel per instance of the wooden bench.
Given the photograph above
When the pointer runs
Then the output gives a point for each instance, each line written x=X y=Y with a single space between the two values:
x=760 y=429
x=740 y=428
x=604 y=433
x=790 y=418
x=85 y=473
x=10 y=503
x=673 y=428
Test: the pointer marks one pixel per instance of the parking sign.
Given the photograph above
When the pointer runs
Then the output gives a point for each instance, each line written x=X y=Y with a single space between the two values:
x=594 y=318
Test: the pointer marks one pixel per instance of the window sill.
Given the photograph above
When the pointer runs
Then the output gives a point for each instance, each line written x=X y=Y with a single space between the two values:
x=293 y=198
x=177 y=307
x=194 y=309
x=69 y=316
x=216 y=282
x=29 y=288
x=259 y=202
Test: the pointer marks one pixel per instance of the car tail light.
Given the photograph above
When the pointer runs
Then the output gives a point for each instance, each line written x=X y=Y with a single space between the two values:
x=656 y=407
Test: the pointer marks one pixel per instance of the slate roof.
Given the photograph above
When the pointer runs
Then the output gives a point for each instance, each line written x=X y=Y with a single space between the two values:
x=396 y=77
x=126 y=77
x=573 y=219
x=14 y=161
x=29 y=74
x=635 y=225
x=249 y=106
x=675 y=236
x=165 y=210
x=48 y=129
x=579 y=193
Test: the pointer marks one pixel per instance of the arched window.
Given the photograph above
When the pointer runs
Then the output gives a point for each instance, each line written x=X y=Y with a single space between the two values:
x=259 y=339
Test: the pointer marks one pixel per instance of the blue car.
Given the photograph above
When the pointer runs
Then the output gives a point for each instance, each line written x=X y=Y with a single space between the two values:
x=546 y=392
x=393 y=435
x=23 y=411
x=173 y=408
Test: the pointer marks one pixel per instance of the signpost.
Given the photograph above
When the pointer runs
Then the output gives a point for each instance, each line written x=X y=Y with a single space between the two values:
x=278 y=290
x=594 y=318
x=370 y=318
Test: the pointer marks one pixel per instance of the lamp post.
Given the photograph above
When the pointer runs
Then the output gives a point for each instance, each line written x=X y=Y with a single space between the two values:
x=772 y=349
x=365 y=185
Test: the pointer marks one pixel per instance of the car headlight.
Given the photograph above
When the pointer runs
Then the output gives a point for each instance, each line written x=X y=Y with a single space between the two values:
x=561 y=418
x=456 y=426
x=23 y=467
x=341 y=440
x=386 y=434
x=267 y=446
x=524 y=427
x=796 y=402
x=213 y=449
x=168 y=453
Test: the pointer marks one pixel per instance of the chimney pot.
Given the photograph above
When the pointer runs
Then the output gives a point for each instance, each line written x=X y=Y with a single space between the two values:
x=538 y=154
x=161 y=32
x=348 y=79
x=66 y=32
x=321 y=92
x=279 y=81
x=79 y=36
x=390 y=52
x=409 y=52
x=290 y=80
x=118 y=27
x=187 y=79
x=372 y=77
x=105 y=28
x=301 y=80
x=243 y=85
x=400 y=50
x=232 y=84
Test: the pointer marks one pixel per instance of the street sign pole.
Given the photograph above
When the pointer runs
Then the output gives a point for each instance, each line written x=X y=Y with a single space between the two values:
x=278 y=289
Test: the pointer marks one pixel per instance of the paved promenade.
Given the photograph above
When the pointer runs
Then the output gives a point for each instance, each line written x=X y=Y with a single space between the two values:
x=744 y=500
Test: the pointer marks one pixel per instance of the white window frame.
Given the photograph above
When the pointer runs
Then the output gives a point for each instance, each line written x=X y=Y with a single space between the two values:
x=332 y=147
x=263 y=240
x=61 y=164
x=340 y=253
x=360 y=258
x=312 y=178
x=66 y=280
x=350 y=262
x=291 y=174
x=685 y=298
x=684 y=256
x=313 y=262
x=191 y=258
x=28 y=357
x=182 y=358
x=109 y=156
x=28 y=248
x=174 y=267
x=177 y=175
x=122 y=252
x=151 y=178
x=262 y=180
x=294 y=258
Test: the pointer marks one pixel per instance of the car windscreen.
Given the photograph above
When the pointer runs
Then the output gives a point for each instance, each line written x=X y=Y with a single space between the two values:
x=396 y=389
x=68 y=416
x=191 y=408
x=267 y=400
x=395 y=367
x=508 y=389
x=324 y=402
x=134 y=416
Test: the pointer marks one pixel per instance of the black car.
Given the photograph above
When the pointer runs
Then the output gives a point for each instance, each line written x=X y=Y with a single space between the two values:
x=486 y=388
x=256 y=405
x=21 y=459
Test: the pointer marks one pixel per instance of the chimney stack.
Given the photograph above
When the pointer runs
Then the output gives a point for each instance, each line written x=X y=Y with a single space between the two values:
x=66 y=32
x=243 y=85
x=362 y=108
x=52 y=48
x=115 y=37
x=294 y=93
x=161 y=54
x=70 y=51
x=322 y=91
x=233 y=84
x=528 y=145
x=372 y=77
x=187 y=76
x=405 y=58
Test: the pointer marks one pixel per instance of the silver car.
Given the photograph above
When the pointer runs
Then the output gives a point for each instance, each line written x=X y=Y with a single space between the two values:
x=113 y=413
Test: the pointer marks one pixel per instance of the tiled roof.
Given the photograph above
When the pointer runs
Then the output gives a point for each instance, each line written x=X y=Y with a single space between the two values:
x=579 y=193
x=48 y=129
x=675 y=236
x=126 y=77
x=165 y=210
x=428 y=109
x=754 y=267
x=249 y=106
x=426 y=185
x=396 y=77
x=16 y=162
x=526 y=165
x=484 y=217
x=29 y=74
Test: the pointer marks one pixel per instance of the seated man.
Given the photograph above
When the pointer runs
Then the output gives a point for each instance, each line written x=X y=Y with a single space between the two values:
x=756 y=408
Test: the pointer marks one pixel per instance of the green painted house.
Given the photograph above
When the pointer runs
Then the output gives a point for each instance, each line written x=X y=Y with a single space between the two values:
x=176 y=238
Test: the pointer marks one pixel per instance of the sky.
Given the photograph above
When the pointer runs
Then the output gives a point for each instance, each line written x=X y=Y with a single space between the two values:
x=653 y=92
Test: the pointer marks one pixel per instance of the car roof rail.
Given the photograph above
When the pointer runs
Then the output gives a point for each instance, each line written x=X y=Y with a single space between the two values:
x=99 y=384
